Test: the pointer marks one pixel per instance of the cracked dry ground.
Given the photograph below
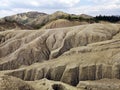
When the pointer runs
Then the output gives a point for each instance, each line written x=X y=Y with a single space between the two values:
x=84 y=57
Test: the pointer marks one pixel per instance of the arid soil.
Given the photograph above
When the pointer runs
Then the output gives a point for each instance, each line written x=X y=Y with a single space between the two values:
x=83 y=57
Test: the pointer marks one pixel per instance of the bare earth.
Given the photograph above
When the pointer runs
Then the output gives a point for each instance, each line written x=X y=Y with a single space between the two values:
x=83 y=57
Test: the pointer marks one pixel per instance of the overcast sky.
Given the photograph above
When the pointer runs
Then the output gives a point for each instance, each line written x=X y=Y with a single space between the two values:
x=91 y=7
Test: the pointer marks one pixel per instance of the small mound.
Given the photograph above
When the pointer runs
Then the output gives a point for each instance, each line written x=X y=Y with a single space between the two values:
x=45 y=84
x=12 y=83
x=62 y=23
x=103 y=84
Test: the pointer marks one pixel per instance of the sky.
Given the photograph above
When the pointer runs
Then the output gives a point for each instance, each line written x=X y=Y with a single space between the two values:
x=90 y=7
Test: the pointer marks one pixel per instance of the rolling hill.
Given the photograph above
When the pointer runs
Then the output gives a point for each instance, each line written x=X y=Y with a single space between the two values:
x=37 y=20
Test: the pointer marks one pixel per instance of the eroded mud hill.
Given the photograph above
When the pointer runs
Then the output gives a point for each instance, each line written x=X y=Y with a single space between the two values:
x=69 y=55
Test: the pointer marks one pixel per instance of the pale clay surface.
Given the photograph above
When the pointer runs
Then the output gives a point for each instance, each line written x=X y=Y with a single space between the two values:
x=66 y=57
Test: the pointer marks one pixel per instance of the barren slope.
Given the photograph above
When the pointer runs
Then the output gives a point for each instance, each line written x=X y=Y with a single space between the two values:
x=9 y=25
x=62 y=23
x=69 y=55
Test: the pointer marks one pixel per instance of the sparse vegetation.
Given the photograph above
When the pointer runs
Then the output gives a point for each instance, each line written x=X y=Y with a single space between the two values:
x=41 y=19
x=39 y=26
x=78 y=18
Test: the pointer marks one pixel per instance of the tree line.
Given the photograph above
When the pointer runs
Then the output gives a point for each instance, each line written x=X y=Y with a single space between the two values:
x=112 y=18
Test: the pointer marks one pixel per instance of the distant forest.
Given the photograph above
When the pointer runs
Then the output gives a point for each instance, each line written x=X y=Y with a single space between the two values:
x=112 y=19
